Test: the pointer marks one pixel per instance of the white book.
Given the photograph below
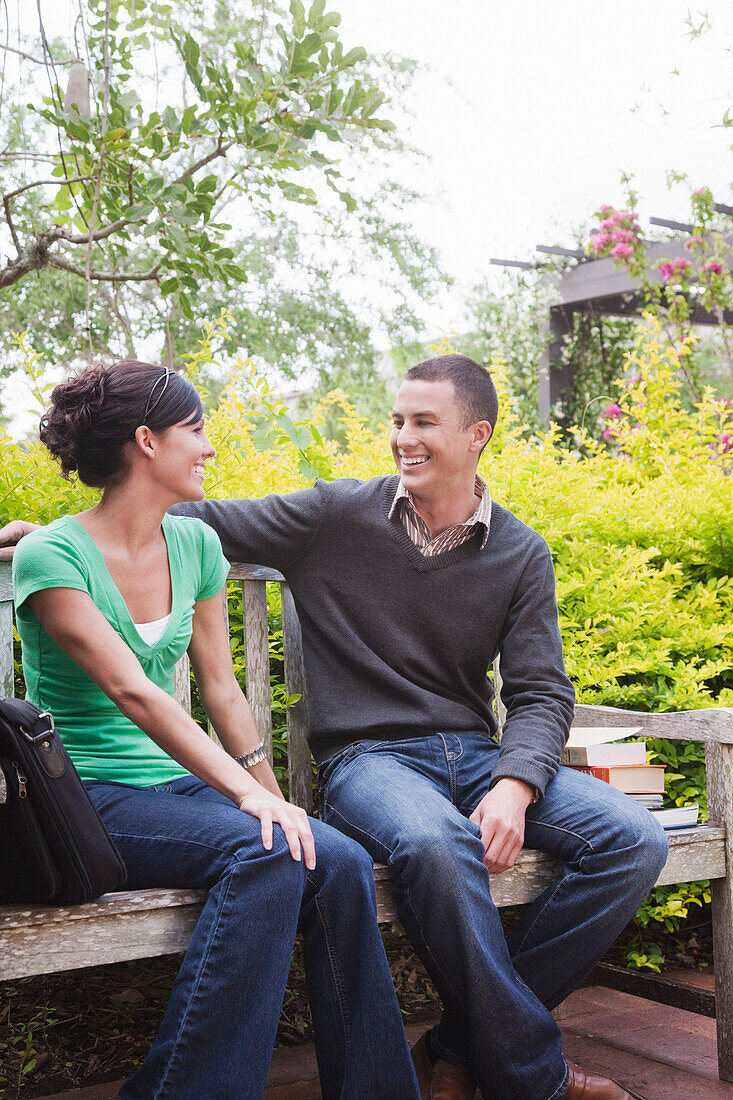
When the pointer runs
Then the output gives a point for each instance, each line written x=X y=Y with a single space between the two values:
x=679 y=817
x=581 y=736
x=603 y=756
x=651 y=801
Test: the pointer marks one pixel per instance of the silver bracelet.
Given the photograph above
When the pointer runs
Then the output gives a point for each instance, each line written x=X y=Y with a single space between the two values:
x=249 y=759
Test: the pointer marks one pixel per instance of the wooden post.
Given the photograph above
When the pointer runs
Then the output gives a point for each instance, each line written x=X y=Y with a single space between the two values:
x=719 y=768
x=498 y=702
x=257 y=659
x=6 y=629
x=299 y=757
x=553 y=378
x=225 y=612
x=182 y=683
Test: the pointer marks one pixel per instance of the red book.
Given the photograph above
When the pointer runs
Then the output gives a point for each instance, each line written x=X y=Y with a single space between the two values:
x=630 y=778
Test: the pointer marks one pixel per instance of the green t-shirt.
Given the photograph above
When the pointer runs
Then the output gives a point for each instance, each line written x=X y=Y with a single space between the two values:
x=100 y=740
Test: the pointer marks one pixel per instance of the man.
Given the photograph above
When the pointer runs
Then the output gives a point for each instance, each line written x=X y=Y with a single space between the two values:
x=407 y=587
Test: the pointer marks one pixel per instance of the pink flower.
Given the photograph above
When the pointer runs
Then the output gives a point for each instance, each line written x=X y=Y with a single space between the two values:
x=610 y=433
x=714 y=267
x=613 y=412
x=694 y=242
x=599 y=241
x=668 y=270
x=725 y=443
x=622 y=251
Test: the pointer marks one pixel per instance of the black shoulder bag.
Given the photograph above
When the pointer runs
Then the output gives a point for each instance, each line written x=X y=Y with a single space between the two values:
x=53 y=844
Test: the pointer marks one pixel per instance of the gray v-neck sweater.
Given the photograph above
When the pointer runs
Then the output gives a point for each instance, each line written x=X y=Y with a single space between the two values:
x=398 y=645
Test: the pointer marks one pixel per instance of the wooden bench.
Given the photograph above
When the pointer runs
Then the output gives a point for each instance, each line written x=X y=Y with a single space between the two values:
x=141 y=924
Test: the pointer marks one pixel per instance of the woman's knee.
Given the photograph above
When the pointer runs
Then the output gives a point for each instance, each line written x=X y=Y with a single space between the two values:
x=340 y=853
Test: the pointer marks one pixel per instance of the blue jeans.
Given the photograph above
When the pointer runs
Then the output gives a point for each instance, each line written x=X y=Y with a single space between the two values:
x=219 y=1028
x=408 y=802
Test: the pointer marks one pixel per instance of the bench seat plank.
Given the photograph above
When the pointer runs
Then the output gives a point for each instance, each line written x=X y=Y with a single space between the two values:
x=39 y=939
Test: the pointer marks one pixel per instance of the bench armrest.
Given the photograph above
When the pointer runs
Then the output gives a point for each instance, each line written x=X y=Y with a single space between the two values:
x=712 y=725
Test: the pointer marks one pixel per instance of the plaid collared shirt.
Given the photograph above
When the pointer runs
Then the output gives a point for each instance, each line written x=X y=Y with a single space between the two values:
x=419 y=532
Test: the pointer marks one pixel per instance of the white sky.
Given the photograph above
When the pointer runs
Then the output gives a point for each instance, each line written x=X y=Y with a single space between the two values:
x=531 y=109
x=528 y=117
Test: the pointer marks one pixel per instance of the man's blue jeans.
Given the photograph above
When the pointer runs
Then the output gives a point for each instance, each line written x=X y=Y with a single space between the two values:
x=219 y=1028
x=408 y=802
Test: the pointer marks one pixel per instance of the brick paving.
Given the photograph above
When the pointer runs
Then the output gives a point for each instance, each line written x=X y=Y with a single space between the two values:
x=662 y=1053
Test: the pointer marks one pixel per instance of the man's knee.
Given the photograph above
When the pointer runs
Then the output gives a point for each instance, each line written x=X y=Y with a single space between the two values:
x=441 y=850
x=638 y=838
x=654 y=844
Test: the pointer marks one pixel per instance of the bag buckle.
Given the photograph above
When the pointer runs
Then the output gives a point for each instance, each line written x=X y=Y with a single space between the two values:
x=34 y=737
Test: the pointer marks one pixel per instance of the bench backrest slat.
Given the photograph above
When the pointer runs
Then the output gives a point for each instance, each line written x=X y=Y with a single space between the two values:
x=714 y=725
x=300 y=774
x=6 y=648
x=257 y=658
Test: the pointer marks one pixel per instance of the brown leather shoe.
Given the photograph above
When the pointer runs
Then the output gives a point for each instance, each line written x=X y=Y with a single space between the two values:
x=442 y=1081
x=588 y=1086
x=449 y=1082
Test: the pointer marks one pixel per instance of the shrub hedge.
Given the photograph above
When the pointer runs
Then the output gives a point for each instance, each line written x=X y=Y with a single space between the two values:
x=640 y=529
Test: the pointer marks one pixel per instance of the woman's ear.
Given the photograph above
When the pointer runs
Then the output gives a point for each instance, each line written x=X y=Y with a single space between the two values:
x=145 y=440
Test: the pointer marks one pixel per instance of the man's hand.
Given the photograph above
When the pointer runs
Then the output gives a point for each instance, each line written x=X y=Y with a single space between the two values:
x=500 y=817
x=12 y=533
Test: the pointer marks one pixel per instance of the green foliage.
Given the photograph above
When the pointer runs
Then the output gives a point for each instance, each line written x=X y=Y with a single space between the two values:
x=693 y=281
x=666 y=907
x=511 y=325
x=641 y=535
x=208 y=127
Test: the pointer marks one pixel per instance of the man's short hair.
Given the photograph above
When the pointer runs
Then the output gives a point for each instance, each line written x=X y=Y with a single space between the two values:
x=473 y=385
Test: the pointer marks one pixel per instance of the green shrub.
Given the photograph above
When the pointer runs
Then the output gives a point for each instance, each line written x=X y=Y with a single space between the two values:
x=641 y=533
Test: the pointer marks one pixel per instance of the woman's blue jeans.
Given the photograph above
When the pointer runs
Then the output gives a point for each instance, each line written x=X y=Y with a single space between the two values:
x=219 y=1029
x=408 y=803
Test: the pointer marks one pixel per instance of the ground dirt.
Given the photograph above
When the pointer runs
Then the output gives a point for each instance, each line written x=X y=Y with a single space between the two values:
x=83 y=1027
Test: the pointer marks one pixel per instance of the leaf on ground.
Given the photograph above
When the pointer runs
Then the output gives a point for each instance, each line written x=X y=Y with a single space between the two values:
x=127 y=997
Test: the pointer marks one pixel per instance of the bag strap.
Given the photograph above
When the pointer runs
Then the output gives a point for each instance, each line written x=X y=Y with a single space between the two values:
x=38 y=730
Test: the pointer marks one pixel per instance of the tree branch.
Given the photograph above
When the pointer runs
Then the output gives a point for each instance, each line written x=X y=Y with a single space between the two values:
x=22 y=154
x=220 y=151
x=31 y=259
x=98 y=181
x=28 y=57
x=100 y=234
x=11 y=226
x=43 y=183
x=104 y=276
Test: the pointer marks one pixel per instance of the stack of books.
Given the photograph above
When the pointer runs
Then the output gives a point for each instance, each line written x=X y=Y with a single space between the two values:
x=596 y=752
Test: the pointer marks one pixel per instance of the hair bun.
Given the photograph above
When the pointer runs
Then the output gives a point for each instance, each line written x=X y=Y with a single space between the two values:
x=75 y=404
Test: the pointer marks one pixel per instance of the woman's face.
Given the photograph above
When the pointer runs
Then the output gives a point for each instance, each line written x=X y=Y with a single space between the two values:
x=181 y=455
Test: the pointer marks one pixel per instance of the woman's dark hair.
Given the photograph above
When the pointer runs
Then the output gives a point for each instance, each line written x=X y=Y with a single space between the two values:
x=95 y=413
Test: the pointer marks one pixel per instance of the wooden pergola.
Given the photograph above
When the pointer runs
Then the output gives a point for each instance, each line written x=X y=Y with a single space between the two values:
x=601 y=286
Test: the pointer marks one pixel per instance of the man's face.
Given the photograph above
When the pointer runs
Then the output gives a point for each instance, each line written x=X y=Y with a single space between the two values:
x=432 y=450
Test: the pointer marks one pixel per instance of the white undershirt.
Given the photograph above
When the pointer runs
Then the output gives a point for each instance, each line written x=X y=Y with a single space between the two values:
x=152 y=632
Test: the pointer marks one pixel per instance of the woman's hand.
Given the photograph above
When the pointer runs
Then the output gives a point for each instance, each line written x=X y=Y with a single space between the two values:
x=293 y=821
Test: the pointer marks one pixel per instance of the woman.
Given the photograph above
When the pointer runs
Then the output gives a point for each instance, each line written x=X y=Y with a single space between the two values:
x=106 y=602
